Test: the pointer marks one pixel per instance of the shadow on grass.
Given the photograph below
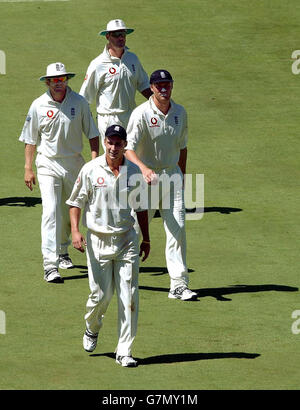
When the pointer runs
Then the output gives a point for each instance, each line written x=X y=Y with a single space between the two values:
x=157 y=270
x=219 y=293
x=185 y=357
x=21 y=201
x=27 y=201
x=220 y=209
x=84 y=276
x=84 y=272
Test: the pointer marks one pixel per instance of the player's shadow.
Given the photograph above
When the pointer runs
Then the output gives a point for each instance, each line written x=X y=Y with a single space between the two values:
x=26 y=201
x=218 y=293
x=72 y=277
x=185 y=357
x=220 y=209
x=157 y=271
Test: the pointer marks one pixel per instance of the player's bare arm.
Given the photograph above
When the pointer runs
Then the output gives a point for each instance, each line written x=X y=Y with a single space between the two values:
x=147 y=93
x=142 y=218
x=182 y=160
x=94 y=145
x=29 y=176
x=148 y=173
x=78 y=239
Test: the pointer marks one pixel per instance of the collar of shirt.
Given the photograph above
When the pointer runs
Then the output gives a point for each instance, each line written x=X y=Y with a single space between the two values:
x=110 y=57
x=156 y=110
x=50 y=98
x=103 y=163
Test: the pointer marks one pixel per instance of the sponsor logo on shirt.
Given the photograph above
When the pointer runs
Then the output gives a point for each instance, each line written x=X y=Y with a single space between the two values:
x=154 y=122
x=100 y=183
x=50 y=114
x=112 y=70
x=73 y=112
x=176 y=120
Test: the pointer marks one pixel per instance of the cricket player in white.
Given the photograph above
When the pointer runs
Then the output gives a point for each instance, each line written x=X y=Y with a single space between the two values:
x=53 y=127
x=113 y=78
x=157 y=143
x=102 y=190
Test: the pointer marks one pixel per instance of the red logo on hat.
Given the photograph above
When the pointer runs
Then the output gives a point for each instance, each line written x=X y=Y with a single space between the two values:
x=112 y=70
x=50 y=114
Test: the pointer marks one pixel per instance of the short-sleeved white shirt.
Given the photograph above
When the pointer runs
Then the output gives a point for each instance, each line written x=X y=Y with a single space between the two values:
x=56 y=128
x=113 y=82
x=155 y=137
x=105 y=197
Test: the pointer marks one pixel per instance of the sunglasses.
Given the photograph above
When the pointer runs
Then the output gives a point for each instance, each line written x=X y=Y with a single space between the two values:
x=118 y=33
x=59 y=79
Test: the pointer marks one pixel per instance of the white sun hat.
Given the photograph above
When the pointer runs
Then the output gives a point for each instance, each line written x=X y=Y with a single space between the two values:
x=56 y=70
x=116 y=25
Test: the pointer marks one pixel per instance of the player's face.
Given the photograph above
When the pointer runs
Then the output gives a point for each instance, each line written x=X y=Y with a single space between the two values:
x=162 y=91
x=58 y=85
x=117 y=39
x=115 y=147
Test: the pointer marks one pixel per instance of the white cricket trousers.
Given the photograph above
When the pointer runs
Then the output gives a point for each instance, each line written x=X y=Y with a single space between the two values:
x=169 y=200
x=106 y=120
x=56 y=180
x=113 y=263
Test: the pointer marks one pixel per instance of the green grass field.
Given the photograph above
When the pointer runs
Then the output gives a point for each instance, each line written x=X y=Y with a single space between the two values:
x=231 y=62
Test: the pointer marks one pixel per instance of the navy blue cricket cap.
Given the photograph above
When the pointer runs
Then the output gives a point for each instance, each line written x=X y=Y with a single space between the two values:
x=117 y=130
x=160 y=76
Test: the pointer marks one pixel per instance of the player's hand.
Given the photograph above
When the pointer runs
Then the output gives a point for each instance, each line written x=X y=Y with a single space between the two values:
x=144 y=249
x=78 y=241
x=149 y=175
x=29 y=178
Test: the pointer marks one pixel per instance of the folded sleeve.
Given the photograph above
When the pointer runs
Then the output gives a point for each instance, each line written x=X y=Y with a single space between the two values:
x=143 y=79
x=80 y=192
x=89 y=126
x=30 y=131
x=134 y=131
x=89 y=86
x=184 y=135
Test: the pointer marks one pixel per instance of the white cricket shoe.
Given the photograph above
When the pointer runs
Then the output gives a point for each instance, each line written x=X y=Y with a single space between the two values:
x=65 y=261
x=182 y=293
x=126 y=361
x=53 y=276
x=90 y=341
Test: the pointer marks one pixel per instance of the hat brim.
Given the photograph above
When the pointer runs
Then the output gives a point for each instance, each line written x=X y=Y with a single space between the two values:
x=69 y=75
x=104 y=32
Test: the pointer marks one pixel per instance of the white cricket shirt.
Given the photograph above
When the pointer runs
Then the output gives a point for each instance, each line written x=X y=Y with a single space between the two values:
x=105 y=197
x=157 y=138
x=56 y=128
x=113 y=82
